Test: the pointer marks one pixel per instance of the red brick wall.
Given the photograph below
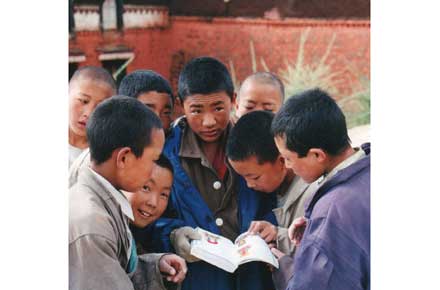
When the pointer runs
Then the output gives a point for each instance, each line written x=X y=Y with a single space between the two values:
x=165 y=50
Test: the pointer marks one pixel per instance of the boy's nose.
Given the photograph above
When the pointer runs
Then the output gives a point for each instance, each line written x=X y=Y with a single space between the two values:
x=88 y=110
x=259 y=108
x=208 y=120
x=152 y=201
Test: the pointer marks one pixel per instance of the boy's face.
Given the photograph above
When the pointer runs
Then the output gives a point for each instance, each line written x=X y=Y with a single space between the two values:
x=84 y=96
x=159 y=103
x=208 y=115
x=265 y=177
x=258 y=97
x=134 y=172
x=150 y=202
x=307 y=167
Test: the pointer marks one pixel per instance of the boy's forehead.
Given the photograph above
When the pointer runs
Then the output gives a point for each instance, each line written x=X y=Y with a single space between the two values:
x=250 y=89
x=84 y=81
x=249 y=165
x=161 y=174
x=207 y=99
x=154 y=96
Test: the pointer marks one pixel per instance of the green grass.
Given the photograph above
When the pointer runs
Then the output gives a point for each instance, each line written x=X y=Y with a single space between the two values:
x=299 y=76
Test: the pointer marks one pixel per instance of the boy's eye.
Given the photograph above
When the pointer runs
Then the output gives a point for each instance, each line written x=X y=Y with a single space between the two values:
x=248 y=108
x=256 y=178
x=146 y=188
x=166 y=113
x=219 y=109
x=164 y=195
x=83 y=101
x=195 y=112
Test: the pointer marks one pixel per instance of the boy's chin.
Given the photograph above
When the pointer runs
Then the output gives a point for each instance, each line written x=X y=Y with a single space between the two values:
x=141 y=225
x=209 y=139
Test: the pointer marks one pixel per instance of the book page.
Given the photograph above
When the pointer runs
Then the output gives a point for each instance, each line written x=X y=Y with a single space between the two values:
x=216 y=250
x=254 y=248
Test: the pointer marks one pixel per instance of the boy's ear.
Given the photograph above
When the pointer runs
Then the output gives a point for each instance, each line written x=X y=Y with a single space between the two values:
x=319 y=154
x=234 y=101
x=177 y=102
x=122 y=156
x=281 y=160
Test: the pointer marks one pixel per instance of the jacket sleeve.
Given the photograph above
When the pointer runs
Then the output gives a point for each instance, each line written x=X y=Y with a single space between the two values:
x=282 y=275
x=94 y=264
x=161 y=231
x=265 y=210
x=312 y=270
x=283 y=242
x=81 y=162
x=147 y=274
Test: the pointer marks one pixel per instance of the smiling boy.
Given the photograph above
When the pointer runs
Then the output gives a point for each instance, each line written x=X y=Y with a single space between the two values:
x=150 y=202
x=206 y=192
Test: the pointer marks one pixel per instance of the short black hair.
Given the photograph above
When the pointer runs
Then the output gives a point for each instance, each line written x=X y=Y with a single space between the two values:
x=144 y=81
x=120 y=121
x=94 y=73
x=312 y=119
x=204 y=75
x=164 y=162
x=266 y=78
x=251 y=136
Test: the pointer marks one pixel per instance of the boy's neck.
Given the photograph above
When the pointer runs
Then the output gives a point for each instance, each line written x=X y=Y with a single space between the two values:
x=336 y=160
x=212 y=149
x=290 y=175
x=78 y=141
x=106 y=170
x=285 y=184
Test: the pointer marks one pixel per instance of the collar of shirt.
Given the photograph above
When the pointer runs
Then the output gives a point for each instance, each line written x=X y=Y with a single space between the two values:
x=120 y=198
x=190 y=146
x=344 y=164
x=295 y=189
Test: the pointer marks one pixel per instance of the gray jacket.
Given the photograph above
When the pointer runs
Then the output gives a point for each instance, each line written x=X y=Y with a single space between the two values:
x=99 y=242
x=297 y=194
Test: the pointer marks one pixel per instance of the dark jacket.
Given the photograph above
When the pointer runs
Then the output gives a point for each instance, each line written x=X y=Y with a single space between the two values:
x=190 y=209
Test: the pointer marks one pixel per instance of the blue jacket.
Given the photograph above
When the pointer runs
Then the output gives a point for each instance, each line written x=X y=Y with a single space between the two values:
x=334 y=253
x=191 y=210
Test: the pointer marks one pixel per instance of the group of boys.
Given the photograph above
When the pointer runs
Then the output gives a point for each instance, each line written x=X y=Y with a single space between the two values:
x=145 y=182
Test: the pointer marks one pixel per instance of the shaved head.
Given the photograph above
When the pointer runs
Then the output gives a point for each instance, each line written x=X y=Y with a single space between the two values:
x=264 y=78
x=93 y=73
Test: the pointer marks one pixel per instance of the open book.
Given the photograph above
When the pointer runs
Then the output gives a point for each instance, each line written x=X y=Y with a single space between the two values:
x=221 y=252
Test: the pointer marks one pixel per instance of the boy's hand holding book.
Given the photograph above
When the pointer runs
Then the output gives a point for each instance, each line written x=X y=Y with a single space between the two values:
x=181 y=239
x=267 y=231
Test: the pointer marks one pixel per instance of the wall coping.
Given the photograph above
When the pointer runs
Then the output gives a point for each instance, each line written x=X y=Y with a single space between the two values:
x=299 y=22
x=292 y=22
